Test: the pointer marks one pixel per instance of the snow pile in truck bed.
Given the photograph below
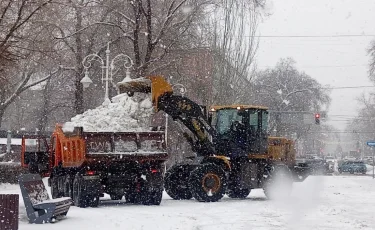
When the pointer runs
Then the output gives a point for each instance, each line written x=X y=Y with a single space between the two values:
x=124 y=114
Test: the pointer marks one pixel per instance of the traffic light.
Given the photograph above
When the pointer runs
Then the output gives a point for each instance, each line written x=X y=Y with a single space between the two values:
x=317 y=118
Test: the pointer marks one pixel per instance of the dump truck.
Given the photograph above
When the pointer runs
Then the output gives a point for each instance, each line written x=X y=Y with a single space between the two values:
x=233 y=152
x=85 y=165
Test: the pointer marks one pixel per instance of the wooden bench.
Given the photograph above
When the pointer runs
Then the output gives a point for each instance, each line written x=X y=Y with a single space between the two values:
x=39 y=207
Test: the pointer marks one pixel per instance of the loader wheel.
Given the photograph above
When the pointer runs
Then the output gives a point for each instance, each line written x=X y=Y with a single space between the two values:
x=238 y=193
x=207 y=183
x=176 y=183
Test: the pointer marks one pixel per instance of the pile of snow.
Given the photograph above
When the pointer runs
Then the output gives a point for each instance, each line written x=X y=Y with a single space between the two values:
x=124 y=114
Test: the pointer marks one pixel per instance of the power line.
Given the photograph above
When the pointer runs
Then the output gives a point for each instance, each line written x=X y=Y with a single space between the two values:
x=350 y=87
x=323 y=66
x=340 y=132
x=313 y=36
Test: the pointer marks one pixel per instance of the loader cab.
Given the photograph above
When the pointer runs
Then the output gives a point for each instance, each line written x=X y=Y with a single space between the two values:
x=240 y=129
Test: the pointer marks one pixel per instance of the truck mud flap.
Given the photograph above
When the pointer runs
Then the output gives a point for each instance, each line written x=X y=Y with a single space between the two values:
x=300 y=173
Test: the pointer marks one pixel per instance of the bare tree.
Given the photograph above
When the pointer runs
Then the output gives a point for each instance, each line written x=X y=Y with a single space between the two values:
x=154 y=28
x=18 y=45
x=284 y=88
x=234 y=45
x=371 y=52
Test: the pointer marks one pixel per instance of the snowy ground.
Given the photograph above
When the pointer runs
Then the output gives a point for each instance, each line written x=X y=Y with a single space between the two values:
x=320 y=202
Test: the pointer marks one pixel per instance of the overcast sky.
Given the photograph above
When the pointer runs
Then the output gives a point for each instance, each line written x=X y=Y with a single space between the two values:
x=334 y=61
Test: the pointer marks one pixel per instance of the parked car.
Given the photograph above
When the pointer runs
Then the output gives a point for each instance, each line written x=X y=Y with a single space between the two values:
x=330 y=159
x=353 y=167
x=350 y=159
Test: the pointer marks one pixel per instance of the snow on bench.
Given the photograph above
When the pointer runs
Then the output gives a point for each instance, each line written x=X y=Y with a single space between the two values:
x=39 y=207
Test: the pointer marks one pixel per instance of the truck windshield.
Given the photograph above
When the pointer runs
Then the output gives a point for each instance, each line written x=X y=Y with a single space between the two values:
x=225 y=118
x=35 y=145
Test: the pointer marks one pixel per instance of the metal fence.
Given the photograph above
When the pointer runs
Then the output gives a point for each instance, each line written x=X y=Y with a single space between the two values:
x=9 y=204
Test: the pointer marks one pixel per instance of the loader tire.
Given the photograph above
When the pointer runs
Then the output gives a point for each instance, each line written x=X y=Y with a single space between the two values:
x=208 y=183
x=238 y=193
x=176 y=183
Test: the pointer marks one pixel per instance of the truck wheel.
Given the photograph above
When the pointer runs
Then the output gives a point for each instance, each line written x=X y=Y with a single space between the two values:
x=238 y=193
x=207 y=183
x=115 y=196
x=176 y=183
x=94 y=201
x=79 y=195
x=351 y=171
x=68 y=187
x=132 y=197
x=54 y=188
x=152 y=198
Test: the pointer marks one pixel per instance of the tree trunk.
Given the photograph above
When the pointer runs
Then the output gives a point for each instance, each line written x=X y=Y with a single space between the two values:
x=2 y=111
x=78 y=103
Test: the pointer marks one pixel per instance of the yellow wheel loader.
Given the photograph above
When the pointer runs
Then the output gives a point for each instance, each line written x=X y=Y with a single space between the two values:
x=233 y=151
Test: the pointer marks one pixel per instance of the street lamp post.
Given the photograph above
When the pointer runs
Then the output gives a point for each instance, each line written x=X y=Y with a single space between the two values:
x=107 y=65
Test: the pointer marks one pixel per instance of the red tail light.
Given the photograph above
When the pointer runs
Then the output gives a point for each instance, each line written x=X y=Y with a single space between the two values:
x=90 y=173
x=154 y=170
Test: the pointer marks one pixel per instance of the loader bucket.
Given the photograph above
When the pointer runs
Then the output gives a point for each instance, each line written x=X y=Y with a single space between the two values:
x=156 y=85
x=131 y=86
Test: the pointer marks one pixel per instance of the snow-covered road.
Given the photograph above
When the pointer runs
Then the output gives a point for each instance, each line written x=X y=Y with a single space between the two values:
x=320 y=202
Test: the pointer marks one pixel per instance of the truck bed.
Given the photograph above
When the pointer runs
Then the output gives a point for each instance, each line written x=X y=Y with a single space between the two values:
x=83 y=147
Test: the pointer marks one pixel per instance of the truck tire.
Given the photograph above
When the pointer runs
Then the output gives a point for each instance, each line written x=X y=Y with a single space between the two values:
x=54 y=188
x=132 y=197
x=152 y=197
x=68 y=187
x=94 y=201
x=238 y=193
x=208 y=183
x=176 y=183
x=79 y=194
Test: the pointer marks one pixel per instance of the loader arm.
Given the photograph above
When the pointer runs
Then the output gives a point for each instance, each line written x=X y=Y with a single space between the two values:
x=189 y=113
x=179 y=108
